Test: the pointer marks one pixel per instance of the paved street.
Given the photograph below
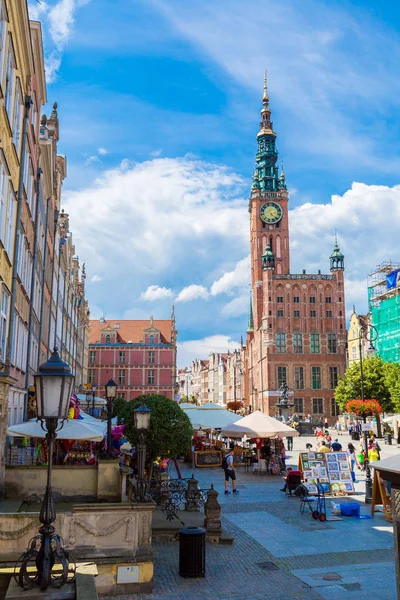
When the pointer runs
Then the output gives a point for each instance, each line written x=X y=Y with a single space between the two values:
x=279 y=554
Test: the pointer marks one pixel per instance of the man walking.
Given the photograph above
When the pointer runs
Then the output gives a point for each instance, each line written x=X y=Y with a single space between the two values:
x=230 y=472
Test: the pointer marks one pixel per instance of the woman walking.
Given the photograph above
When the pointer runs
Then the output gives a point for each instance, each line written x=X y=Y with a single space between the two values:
x=351 y=453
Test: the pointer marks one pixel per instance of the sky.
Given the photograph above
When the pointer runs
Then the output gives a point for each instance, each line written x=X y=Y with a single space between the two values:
x=159 y=106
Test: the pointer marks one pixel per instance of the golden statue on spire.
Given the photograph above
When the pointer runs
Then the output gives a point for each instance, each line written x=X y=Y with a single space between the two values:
x=265 y=95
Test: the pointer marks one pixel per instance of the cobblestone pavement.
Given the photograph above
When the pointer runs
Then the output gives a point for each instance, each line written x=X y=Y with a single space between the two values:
x=279 y=554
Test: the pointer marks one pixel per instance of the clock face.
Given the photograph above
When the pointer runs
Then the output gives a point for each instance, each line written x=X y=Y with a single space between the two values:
x=271 y=212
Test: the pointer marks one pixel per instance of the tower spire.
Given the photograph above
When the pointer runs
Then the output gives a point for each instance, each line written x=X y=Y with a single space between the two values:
x=265 y=95
x=250 y=326
x=266 y=177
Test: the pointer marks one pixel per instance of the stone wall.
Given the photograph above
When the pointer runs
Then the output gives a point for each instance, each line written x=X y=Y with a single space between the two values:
x=102 y=482
x=3 y=432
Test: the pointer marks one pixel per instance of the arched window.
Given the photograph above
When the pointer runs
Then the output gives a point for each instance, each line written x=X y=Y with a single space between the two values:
x=151 y=339
x=108 y=339
x=278 y=246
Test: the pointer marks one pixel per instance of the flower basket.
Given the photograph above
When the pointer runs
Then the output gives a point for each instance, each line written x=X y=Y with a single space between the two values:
x=367 y=408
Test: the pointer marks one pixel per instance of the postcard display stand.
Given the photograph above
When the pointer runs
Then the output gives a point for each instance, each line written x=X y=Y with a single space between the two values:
x=332 y=469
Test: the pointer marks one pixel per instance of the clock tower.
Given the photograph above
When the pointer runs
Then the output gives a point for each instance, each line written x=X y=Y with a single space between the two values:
x=297 y=327
x=268 y=207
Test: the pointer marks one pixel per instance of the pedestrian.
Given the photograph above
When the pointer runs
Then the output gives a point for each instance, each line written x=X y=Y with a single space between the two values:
x=326 y=424
x=373 y=452
x=289 y=443
x=230 y=472
x=285 y=479
x=351 y=453
x=324 y=447
x=336 y=446
x=283 y=456
x=338 y=427
x=308 y=447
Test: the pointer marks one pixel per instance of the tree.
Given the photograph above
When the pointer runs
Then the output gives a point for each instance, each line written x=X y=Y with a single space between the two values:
x=118 y=406
x=375 y=385
x=170 y=432
x=234 y=405
x=391 y=373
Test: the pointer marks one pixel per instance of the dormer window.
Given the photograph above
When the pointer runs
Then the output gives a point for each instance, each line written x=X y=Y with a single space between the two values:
x=151 y=339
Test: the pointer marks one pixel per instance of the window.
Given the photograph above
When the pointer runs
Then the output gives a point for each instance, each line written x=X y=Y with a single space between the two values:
x=150 y=377
x=328 y=300
x=354 y=353
x=318 y=406
x=314 y=343
x=151 y=339
x=279 y=299
x=281 y=342
x=92 y=356
x=332 y=343
x=151 y=356
x=316 y=378
x=10 y=222
x=5 y=300
x=333 y=377
x=313 y=313
x=108 y=339
x=298 y=408
x=296 y=313
x=122 y=357
x=282 y=375
x=312 y=299
x=299 y=378
x=3 y=196
x=328 y=313
x=121 y=376
x=280 y=313
x=17 y=120
x=10 y=78
x=297 y=343
x=25 y=264
x=91 y=376
x=296 y=299
x=335 y=410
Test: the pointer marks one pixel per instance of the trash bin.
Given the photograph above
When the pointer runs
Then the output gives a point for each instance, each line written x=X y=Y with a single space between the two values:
x=388 y=439
x=355 y=436
x=192 y=552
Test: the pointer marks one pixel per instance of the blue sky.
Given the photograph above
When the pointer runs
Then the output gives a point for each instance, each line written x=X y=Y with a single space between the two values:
x=159 y=105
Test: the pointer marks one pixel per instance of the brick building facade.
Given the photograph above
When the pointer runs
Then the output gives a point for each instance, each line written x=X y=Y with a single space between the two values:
x=297 y=327
x=139 y=355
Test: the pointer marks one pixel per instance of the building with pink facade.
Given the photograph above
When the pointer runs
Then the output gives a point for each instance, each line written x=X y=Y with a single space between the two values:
x=139 y=355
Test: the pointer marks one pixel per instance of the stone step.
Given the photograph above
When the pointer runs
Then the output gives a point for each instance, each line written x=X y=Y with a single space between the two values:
x=86 y=587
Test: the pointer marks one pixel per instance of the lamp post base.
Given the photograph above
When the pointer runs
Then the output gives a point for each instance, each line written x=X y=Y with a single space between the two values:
x=368 y=485
x=52 y=564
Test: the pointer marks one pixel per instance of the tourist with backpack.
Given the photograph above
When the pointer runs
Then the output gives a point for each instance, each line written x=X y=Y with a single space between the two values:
x=230 y=472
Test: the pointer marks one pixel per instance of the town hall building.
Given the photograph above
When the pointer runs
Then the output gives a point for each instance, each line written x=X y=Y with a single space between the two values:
x=297 y=328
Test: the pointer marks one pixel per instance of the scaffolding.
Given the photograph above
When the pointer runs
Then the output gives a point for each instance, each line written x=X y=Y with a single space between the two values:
x=384 y=308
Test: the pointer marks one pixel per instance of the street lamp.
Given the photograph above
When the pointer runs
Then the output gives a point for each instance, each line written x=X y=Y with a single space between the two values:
x=89 y=401
x=53 y=386
x=368 y=333
x=111 y=392
x=141 y=418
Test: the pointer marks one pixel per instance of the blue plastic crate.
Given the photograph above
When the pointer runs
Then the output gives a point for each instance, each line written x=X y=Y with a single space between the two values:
x=351 y=509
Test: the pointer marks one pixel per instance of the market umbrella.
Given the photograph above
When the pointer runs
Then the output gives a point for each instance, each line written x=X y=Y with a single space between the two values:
x=258 y=425
x=211 y=419
x=73 y=429
x=187 y=406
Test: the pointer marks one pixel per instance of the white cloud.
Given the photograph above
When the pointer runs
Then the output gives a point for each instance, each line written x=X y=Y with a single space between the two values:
x=156 y=153
x=59 y=19
x=329 y=66
x=192 y=349
x=96 y=278
x=192 y=292
x=103 y=151
x=92 y=160
x=155 y=292
x=237 y=307
x=239 y=277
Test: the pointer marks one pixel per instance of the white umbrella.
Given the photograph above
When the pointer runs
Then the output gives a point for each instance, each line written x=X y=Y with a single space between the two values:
x=211 y=419
x=259 y=425
x=73 y=429
x=187 y=406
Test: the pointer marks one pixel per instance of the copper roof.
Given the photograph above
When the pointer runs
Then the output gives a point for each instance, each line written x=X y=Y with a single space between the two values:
x=129 y=331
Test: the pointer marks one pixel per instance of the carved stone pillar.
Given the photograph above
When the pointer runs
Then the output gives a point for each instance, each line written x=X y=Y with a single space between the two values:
x=193 y=495
x=212 y=511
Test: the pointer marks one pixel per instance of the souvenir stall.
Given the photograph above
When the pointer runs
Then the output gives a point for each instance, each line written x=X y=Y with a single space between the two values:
x=267 y=433
x=330 y=469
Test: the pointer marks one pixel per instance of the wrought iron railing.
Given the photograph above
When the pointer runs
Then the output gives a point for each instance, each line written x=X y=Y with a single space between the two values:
x=170 y=495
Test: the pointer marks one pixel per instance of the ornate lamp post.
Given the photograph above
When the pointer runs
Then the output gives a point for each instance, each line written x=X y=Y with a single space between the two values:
x=367 y=333
x=111 y=393
x=89 y=401
x=53 y=386
x=94 y=388
x=283 y=404
x=141 y=418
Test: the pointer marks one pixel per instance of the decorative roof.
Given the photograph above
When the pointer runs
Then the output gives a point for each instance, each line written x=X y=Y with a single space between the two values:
x=129 y=331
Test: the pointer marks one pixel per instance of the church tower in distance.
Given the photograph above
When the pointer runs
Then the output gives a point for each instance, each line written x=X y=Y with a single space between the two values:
x=298 y=332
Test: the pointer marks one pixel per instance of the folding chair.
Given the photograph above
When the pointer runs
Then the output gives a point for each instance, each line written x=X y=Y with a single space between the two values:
x=302 y=492
x=293 y=480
